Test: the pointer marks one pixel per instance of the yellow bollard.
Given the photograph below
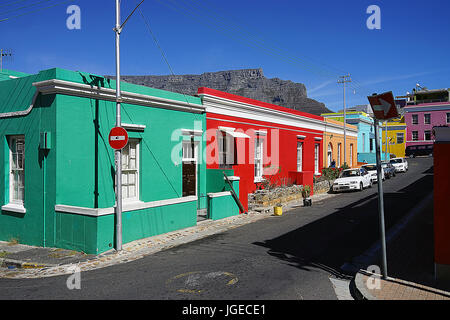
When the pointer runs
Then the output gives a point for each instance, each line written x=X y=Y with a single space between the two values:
x=278 y=211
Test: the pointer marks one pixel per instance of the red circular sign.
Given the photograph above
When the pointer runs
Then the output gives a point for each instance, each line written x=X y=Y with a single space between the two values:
x=118 y=138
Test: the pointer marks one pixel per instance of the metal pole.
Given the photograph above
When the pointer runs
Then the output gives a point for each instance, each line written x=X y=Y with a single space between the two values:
x=386 y=141
x=380 y=202
x=118 y=153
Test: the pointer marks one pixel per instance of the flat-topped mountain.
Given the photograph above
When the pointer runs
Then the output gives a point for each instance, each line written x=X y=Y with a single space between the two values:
x=250 y=83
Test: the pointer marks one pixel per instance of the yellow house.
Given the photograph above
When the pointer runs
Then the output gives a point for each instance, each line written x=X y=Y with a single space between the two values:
x=394 y=132
x=333 y=143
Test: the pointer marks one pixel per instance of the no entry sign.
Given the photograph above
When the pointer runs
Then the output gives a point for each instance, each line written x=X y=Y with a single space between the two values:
x=118 y=138
x=383 y=106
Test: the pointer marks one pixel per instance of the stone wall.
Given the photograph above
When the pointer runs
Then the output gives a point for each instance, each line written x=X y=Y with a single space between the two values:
x=272 y=197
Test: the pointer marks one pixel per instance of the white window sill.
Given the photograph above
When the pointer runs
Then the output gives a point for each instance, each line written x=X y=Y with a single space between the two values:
x=13 y=207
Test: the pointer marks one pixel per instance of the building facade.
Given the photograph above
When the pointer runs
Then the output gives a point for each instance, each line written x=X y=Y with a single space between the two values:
x=333 y=141
x=59 y=170
x=261 y=143
x=394 y=138
x=366 y=133
x=423 y=111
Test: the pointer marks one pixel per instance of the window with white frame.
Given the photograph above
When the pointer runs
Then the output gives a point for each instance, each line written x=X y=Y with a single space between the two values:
x=316 y=158
x=189 y=169
x=415 y=119
x=259 y=156
x=448 y=117
x=427 y=118
x=339 y=155
x=415 y=135
x=299 y=156
x=351 y=155
x=427 y=135
x=17 y=169
x=130 y=170
x=226 y=146
x=400 y=137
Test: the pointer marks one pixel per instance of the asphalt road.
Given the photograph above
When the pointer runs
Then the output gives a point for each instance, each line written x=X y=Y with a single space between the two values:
x=287 y=257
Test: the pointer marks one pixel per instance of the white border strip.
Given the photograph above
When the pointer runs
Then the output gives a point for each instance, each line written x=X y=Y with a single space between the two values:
x=132 y=206
x=219 y=194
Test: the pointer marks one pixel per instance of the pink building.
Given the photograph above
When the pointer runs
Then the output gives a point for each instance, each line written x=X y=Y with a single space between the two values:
x=425 y=110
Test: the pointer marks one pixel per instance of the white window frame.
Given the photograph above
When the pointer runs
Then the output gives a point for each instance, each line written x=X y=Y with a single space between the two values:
x=226 y=145
x=128 y=171
x=415 y=116
x=412 y=135
x=259 y=162
x=316 y=158
x=351 y=155
x=339 y=155
x=194 y=158
x=425 y=117
x=425 y=135
x=447 y=117
x=299 y=156
x=17 y=202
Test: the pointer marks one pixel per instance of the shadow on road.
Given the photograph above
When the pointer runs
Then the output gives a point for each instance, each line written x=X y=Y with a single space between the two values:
x=330 y=242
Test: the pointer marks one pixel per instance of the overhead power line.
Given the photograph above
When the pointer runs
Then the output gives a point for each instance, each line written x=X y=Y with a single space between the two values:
x=36 y=10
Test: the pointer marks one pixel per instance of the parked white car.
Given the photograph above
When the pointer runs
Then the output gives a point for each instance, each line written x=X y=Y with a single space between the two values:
x=400 y=164
x=372 y=169
x=352 y=179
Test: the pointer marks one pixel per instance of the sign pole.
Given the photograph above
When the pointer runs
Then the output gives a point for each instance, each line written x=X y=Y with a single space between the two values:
x=118 y=153
x=380 y=201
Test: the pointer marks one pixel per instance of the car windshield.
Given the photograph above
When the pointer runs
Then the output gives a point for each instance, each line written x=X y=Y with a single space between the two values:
x=349 y=173
x=370 y=168
x=396 y=160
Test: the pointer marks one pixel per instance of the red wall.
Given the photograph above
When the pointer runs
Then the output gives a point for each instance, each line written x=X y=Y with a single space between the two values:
x=285 y=145
x=441 y=153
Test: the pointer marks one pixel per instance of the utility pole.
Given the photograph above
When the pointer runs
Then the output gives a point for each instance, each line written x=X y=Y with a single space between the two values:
x=118 y=153
x=344 y=80
x=386 y=140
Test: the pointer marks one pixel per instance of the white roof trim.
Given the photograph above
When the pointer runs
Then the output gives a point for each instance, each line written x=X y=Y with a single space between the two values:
x=191 y=132
x=55 y=86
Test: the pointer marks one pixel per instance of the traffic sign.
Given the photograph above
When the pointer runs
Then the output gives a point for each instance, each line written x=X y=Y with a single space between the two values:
x=383 y=106
x=118 y=138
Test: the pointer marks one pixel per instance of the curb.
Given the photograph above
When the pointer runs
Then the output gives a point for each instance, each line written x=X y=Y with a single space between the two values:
x=11 y=264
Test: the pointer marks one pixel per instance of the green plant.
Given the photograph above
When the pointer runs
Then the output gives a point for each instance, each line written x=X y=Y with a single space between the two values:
x=306 y=191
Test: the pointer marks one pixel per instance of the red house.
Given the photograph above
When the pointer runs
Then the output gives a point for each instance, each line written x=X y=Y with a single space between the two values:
x=261 y=141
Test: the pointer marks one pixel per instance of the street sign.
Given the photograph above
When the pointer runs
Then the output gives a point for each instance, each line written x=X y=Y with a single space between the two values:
x=383 y=106
x=118 y=138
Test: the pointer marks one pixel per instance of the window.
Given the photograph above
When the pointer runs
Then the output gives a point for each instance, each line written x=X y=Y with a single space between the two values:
x=339 y=155
x=316 y=158
x=448 y=117
x=330 y=154
x=400 y=137
x=299 y=156
x=415 y=119
x=226 y=150
x=427 y=118
x=189 y=169
x=130 y=170
x=17 y=169
x=371 y=144
x=363 y=142
x=351 y=155
x=415 y=136
x=427 y=135
x=259 y=142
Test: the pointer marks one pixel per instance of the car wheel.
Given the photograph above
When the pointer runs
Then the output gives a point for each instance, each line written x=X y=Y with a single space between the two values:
x=361 y=186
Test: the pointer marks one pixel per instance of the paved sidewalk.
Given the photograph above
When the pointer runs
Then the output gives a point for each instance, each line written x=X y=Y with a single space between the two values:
x=21 y=261
x=372 y=287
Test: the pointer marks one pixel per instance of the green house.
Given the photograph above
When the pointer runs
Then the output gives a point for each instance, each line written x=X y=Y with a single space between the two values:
x=59 y=170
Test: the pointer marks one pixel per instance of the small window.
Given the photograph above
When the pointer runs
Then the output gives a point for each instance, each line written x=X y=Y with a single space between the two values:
x=17 y=169
x=400 y=137
x=427 y=135
x=427 y=118
x=259 y=156
x=448 y=117
x=189 y=169
x=226 y=150
x=130 y=170
x=316 y=158
x=415 y=119
x=299 y=156
x=415 y=136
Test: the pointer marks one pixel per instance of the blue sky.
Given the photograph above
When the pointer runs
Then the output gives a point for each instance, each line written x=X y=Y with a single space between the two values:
x=312 y=42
